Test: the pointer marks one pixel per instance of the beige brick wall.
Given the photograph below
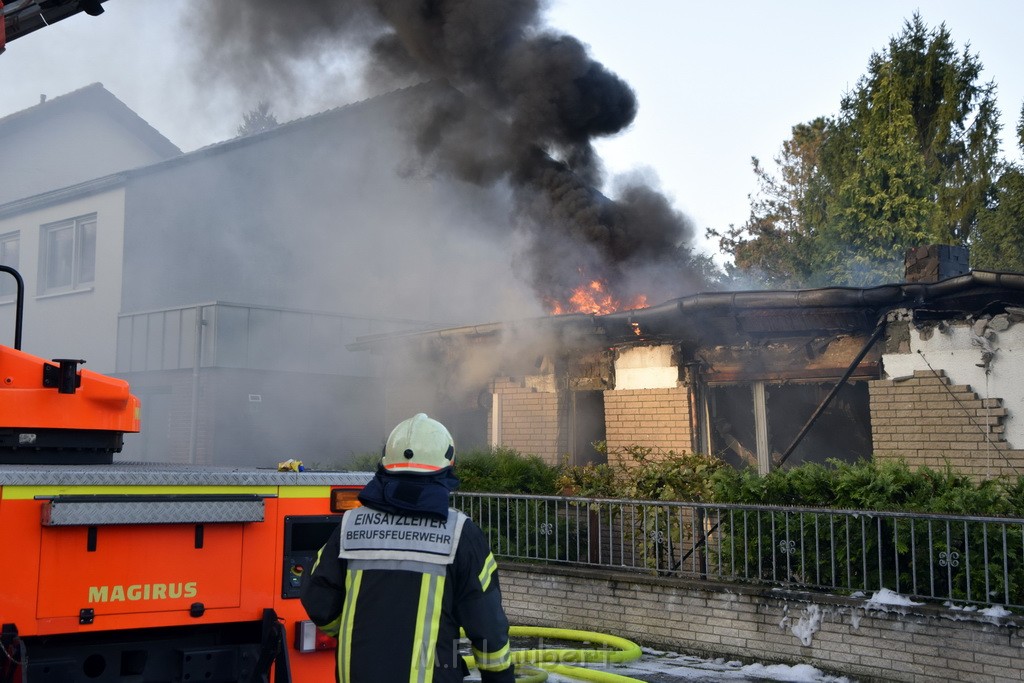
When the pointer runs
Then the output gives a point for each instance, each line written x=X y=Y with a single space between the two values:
x=529 y=420
x=926 y=420
x=917 y=643
x=655 y=418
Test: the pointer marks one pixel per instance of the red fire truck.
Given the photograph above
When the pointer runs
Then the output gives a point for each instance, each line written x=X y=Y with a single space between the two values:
x=138 y=572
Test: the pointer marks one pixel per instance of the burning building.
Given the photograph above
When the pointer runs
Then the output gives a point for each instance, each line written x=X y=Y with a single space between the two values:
x=925 y=371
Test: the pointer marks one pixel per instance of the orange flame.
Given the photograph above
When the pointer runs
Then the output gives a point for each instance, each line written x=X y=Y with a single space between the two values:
x=593 y=297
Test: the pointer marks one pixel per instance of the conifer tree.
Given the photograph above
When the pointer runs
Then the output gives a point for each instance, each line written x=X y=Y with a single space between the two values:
x=911 y=158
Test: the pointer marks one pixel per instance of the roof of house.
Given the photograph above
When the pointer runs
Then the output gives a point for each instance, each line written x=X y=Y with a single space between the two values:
x=411 y=92
x=96 y=95
x=99 y=99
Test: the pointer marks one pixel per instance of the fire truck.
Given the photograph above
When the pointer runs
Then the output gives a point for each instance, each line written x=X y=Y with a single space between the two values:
x=135 y=572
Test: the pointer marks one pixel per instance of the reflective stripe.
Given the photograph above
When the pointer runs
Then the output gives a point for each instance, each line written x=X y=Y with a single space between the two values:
x=490 y=564
x=353 y=579
x=428 y=622
x=399 y=565
x=304 y=492
x=14 y=492
x=317 y=563
x=413 y=466
x=332 y=627
x=498 y=660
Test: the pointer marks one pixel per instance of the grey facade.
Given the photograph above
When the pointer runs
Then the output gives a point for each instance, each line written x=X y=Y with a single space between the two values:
x=233 y=277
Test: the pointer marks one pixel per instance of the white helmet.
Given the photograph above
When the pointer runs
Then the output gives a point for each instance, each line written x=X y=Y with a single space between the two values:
x=419 y=445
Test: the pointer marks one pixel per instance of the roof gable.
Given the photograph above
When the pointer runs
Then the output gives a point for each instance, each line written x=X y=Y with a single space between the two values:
x=94 y=98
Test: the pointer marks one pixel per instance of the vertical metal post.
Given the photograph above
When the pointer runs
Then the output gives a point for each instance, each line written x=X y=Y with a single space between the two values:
x=197 y=359
x=19 y=308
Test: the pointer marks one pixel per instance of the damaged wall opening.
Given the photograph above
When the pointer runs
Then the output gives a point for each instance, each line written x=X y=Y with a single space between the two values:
x=753 y=423
x=587 y=426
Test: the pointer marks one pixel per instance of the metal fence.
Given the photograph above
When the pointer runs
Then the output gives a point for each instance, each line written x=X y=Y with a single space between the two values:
x=966 y=560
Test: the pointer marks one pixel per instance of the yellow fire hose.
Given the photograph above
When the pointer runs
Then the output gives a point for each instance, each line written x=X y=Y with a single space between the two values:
x=555 y=659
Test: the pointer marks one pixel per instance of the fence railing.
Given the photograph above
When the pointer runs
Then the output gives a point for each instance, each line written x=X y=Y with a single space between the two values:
x=969 y=560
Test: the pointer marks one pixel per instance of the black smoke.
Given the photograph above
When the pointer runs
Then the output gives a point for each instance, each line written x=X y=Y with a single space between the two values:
x=525 y=107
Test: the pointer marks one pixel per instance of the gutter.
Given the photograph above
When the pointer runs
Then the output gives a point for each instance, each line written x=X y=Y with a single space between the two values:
x=874 y=298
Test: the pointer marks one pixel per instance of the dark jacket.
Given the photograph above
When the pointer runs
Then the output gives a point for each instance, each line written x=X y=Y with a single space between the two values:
x=397 y=580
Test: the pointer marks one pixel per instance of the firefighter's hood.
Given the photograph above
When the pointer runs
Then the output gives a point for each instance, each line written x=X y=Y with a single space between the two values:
x=421 y=495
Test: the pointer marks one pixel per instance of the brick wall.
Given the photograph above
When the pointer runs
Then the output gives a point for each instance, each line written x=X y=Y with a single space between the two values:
x=657 y=418
x=926 y=420
x=529 y=420
x=836 y=634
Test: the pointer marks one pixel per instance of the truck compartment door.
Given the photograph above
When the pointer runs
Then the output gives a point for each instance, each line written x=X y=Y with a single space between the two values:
x=176 y=552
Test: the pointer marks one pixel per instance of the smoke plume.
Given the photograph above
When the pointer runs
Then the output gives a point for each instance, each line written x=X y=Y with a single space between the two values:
x=525 y=106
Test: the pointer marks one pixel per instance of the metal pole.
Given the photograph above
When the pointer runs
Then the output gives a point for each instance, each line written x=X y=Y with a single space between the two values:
x=197 y=359
x=19 y=309
x=879 y=329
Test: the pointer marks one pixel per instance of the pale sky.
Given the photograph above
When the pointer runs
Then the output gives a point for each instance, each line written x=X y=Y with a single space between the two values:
x=717 y=82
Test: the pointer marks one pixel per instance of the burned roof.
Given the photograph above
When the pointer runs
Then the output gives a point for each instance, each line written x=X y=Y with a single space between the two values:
x=724 y=315
x=714 y=317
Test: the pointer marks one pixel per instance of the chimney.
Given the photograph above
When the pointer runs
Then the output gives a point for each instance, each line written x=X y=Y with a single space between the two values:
x=934 y=263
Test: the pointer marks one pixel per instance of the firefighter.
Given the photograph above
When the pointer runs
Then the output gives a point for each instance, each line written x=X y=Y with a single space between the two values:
x=403 y=573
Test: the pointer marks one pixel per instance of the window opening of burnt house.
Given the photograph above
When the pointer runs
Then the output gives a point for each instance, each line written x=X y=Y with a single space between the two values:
x=586 y=427
x=588 y=375
x=751 y=424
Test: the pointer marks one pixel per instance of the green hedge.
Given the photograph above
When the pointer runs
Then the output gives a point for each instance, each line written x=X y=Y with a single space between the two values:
x=504 y=470
x=871 y=485
x=646 y=474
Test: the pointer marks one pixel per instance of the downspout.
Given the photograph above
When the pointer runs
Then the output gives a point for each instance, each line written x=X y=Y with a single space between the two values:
x=875 y=336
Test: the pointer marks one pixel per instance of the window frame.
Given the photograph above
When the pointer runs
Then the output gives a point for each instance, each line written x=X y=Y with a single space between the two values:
x=8 y=282
x=83 y=275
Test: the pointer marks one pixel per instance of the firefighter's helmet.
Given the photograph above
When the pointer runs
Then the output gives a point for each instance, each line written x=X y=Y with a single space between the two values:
x=419 y=445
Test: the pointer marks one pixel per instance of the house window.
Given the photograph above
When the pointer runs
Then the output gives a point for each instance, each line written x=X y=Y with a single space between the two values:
x=67 y=255
x=10 y=246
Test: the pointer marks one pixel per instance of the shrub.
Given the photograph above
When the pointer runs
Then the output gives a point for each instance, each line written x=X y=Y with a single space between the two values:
x=363 y=462
x=643 y=473
x=503 y=470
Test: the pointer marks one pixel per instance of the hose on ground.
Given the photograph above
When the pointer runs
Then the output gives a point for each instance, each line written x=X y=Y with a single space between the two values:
x=557 y=660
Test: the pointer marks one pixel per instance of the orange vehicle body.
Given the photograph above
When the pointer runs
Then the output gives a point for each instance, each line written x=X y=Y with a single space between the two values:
x=97 y=577
x=142 y=572
x=99 y=403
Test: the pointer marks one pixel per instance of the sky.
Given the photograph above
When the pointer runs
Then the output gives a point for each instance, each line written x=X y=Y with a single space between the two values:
x=717 y=83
